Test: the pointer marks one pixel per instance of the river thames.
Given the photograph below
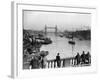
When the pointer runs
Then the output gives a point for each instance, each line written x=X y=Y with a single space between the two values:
x=61 y=45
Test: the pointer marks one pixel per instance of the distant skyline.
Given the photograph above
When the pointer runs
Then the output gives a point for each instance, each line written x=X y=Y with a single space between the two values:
x=65 y=21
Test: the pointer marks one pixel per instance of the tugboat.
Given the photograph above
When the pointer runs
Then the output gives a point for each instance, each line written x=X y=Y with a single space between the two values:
x=47 y=41
x=71 y=42
x=44 y=41
x=61 y=35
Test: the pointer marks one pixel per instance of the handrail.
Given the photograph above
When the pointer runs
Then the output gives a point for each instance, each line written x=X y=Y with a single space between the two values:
x=61 y=59
x=63 y=62
x=53 y=64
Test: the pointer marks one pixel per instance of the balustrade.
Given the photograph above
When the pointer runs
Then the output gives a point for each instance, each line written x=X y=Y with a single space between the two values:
x=63 y=62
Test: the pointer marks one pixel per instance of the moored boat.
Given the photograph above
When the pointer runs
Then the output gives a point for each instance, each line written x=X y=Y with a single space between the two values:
x=71 y=42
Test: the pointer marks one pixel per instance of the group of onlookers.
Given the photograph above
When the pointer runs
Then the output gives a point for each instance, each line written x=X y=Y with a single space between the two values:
x=40 y=62
x=84 y=58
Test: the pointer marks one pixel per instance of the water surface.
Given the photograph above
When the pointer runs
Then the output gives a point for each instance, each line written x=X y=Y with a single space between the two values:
x=61 y=45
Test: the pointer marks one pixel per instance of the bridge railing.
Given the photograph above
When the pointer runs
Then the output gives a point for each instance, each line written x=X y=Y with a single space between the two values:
x=63 y=62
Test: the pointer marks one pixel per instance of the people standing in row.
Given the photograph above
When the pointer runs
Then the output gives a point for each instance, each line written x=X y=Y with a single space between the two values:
x=83 y=58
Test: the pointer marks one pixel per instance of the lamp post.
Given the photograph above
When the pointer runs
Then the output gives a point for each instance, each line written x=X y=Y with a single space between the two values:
x=72 y=42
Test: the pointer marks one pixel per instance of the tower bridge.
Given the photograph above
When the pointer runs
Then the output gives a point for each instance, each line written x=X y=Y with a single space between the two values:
x=48 y=27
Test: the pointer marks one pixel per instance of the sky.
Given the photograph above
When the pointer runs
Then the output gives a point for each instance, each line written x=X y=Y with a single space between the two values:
x=36 y=20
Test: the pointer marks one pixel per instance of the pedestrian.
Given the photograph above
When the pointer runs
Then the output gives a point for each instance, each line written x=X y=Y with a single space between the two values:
x=83 y=58
x=43 y=62
x=88 y=58
x=34 y=63
x=77 y=59
x=58 y=60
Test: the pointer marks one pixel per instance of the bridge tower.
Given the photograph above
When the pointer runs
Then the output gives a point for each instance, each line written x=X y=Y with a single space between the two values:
x=46 y=28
